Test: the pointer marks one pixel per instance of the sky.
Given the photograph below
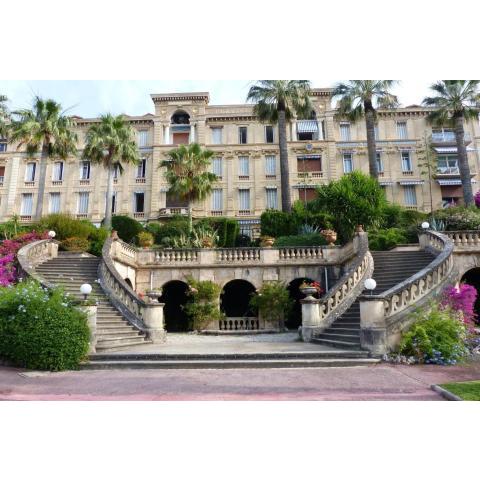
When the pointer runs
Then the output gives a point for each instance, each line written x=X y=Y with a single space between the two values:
x=90 y=98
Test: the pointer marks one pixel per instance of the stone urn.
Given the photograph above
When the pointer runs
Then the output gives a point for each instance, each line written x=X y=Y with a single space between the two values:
x=207 y=242
x=154 y=295
x=330 y=236
x=267 y=242
x=359 y=229
x=308 y=292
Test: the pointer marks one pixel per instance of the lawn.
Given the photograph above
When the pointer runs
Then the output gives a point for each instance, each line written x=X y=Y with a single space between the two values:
x=464 y=390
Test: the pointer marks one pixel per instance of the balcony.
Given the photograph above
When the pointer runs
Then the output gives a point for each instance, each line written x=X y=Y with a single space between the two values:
x=82 y=216
x=139 y=215
x=407 y=172
x=244 y=213
x=2 y=178
x=29 y=183
x=140 y=180
x=216 y=213
x=448 y=138
x=57 y=182
x=25 y=218
x=85 y=181
x=170 y=211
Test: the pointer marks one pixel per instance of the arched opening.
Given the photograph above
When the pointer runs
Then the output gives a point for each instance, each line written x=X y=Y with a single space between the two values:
x=295 y=317
x=472 y=277
x=180 y=117
x=174 y=296
x=128 y=282
x=235 y=299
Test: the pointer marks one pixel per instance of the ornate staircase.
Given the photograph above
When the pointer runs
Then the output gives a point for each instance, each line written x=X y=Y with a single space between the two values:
x=390 y=269
x=72 y=270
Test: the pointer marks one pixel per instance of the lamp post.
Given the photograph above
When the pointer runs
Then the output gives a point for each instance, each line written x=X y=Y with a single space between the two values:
x=85 y=290
x=425 y=225
x=51 y=234
x=370 y=284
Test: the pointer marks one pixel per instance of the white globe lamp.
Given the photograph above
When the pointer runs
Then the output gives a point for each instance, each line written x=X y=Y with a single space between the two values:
x=425 y=225
x=86 y=290
x=370 y=284
x=51 y=234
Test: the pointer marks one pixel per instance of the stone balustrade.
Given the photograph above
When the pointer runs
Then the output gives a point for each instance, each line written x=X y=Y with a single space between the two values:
x=383 y=317
x=464 y=239
x=35 y=253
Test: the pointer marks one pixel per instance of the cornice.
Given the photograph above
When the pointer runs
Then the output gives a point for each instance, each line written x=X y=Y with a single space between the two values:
x=172 y=97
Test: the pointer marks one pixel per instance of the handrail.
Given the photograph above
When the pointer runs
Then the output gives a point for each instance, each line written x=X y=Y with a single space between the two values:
x=32 y=254
x=464 y=238
x=120 y=294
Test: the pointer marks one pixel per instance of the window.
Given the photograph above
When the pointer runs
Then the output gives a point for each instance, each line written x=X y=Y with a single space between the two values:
x=272 y=198
x=3 y=145
x=143 y=138
x=410 y=195
x=114 y=201
x=217 y=199
x=402 y=130
x=141 y=168
x=447 y=165
x=242 y=134
x=30 y=172
x=270 y=166
x=268 y=134
x=244 y=199
x=54 y=202
x=347 y=163
x=27 y=204
x=376 y=132
x=116 y=171
x=139 y=202
x=243 y=167
x=217 y=135
x=379 y=162
x=83 y=203
x=345 y=132
x=58 y=171
x=2 y=174
x=85 y=170
x=217 y=166
x=406 y=161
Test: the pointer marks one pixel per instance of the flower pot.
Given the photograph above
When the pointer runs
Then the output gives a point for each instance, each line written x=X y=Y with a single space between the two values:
x=267 y=242
x=207 y=243
x=359 y=229
x=330 y=236
x=308 y=291
x=146 y=243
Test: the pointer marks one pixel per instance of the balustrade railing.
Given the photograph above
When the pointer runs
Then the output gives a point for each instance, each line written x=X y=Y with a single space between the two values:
x=239 y=323
x=295 y=253
x=35 y=253
x=464 y=238
x=226 y=255
x=176 y=256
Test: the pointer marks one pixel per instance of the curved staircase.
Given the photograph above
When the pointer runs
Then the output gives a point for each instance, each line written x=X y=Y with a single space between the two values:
x=390 y=269
x=70 y=271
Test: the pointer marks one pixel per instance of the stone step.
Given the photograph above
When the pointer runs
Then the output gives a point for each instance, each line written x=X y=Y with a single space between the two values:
x=114 y=330
x=355 y=338
x=108 y=345
x=110 y=335
x=341 y=330
x=336 y=343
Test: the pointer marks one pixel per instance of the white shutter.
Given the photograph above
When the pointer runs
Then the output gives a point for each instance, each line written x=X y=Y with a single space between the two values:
x=58 y=171
x=54 y=206
x=83 y=202
x=406 y=162
x=272 y=198
x=402 y=130
x=345 y=131
x=30 y=172
x=143 y=138
x=217 y=166
x=410 y=195
x=244 y=199
x=379 y=162
x=217 y=135
x=243 y=167
x=27 y=204
x=141 y=168
x=270 y=165
x=347 y=163
x=217 y=199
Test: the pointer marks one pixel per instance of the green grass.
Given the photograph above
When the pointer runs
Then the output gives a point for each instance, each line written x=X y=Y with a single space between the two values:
x=464 y=390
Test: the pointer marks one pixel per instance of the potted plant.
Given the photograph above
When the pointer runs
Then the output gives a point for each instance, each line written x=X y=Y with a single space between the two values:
x=267 y=241
x=330 y=236
x=310 y=288
x=145 y=239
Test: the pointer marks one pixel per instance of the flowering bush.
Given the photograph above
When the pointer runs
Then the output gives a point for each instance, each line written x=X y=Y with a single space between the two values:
x=273 y=301
x=461 y=299
x=314 y=285
x=477 y=199
x=40 y=328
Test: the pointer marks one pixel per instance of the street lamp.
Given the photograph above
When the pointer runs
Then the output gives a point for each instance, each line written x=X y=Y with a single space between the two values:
x=86 y=290
x=51 y=234
x=370 y=284
x=425 y=225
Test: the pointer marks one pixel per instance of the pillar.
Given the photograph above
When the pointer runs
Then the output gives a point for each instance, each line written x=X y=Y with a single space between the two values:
x=373 y=331
x=166 y=139
x=192 y=133
x=154 y=322
x=91 y=311
x=311 y=322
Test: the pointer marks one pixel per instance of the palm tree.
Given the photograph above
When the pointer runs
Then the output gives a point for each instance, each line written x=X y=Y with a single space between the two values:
x=278 y=101
x=4 y=116
x=188 y=176
x=45 y=128
x=111 y=143
x=456 y=101
x=361 y=98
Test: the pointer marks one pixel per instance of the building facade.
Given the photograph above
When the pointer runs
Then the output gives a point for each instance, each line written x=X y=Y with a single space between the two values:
x=321 y=148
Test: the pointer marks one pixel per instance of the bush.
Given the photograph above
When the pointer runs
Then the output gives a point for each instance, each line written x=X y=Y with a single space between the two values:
x=459 y=218
x=354 y=199
x=277 y=224
x=226 y=228
x=41 y=329
x=437 y=336
x=310 y=239
x=386 y=239
x=395 y=216
x=75 y=244
x=126 y=227
x=145 y=239
x=174 y=227
x=66 y=226
x=461 y=299
x=97 y=238
x=243 y=241
x=273 y=301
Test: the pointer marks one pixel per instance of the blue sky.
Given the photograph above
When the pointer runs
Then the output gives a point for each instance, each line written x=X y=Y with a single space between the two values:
x=89 y=98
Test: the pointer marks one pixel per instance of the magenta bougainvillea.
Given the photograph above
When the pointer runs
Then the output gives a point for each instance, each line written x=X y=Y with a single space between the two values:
x=8 y=251
x=477 y=199
x=461 y=299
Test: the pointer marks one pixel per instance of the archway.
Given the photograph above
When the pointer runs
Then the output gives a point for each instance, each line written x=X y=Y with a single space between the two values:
x=174 y=296
x=180 y=117
x=295 y=318
x=235 y=299
x=472 y=277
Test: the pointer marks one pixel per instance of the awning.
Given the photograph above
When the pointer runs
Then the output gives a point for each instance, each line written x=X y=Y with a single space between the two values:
x=271 y=187
x=412 y=182
x=305 y=185
x=307 y=126
x=452 y=181
x=249 y=222
x=446 y=149
x=309 y=157
x=386 y=183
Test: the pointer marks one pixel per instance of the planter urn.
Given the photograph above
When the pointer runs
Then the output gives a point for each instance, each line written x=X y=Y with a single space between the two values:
x=330 y=236
x=153 y=295
x=309 y=292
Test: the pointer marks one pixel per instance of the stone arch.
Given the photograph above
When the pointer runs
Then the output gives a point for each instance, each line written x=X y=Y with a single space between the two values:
x=235 y=298
x=174 y=296
x=180 y=117
x=472 y=277
x=294 y=319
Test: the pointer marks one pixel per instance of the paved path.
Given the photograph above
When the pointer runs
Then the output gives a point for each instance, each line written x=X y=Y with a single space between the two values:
x=379 y=382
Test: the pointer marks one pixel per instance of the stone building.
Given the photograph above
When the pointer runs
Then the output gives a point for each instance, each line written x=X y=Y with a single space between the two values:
x=321 y=148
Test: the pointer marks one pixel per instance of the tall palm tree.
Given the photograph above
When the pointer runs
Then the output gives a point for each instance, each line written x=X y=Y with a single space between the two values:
x=4 y=116
x=456 y=101
x=111 y=143
x=278 y=101
x=361 y=98
x=187 y=174
x=45 y=128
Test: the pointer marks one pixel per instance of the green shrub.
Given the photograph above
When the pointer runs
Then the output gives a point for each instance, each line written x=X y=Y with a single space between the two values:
x=41 y=329
x=145 y=239
x=310 y=239
x=277 y=224
x=437 y=336
x=459 y=218
x=226 y=228
x=126 y=227
x=273 y=301
x=354 y=199
x=75 y=244
x=66 y=226
x=97 y=239
x=386 y=239
x=243 y=241
x=171 y=228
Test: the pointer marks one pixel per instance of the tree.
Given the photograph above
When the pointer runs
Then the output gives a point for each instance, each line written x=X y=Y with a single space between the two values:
x=456 y=101
x=45 y=128
x=361 y=98
x=278 y=101
x=4 y=116
x=111 y=143
x=187 y=175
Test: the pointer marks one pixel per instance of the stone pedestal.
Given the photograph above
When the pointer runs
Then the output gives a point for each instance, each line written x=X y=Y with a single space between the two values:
x=311 y=322
x=373 y=331
x=153 y=320
x=91 y=312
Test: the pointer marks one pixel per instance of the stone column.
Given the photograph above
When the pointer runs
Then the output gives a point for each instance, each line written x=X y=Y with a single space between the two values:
x=52 y=249
x=311 y=322
x=192 y=133
x=373 y=331
x=153 y=320
x=294 y=130
x=166 y=139
x=91 y=311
